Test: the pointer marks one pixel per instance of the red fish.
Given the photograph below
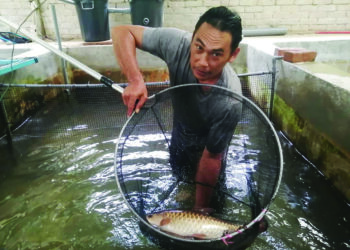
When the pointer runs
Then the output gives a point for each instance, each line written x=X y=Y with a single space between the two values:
x=191 y=224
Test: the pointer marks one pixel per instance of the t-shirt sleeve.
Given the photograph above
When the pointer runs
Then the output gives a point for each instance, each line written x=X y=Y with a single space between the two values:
x=164 y=42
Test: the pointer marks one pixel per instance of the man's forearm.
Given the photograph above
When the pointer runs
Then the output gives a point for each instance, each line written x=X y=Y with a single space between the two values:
x=209 y=168
x=125 y=41
x=207 y=176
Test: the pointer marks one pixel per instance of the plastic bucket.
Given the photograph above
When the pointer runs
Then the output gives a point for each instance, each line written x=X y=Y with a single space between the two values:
x=93 y=19
x=147 y=12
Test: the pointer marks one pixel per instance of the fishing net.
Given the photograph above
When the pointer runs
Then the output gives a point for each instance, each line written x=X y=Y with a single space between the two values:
x=155 y=170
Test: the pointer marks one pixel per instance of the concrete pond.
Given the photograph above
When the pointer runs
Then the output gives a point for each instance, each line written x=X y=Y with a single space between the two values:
x=311 y=103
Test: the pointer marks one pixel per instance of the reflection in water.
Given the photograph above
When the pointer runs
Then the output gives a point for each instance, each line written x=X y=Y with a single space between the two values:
x=54 y=196
x=67 y=197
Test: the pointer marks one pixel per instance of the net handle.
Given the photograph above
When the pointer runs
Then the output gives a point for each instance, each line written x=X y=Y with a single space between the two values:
x=105 y=80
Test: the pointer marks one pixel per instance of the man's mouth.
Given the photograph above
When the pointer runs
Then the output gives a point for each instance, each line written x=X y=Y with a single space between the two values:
x=201 y=73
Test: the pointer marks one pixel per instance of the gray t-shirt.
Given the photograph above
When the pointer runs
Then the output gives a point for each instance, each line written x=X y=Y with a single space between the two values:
x=201 y=118
x=173 y=46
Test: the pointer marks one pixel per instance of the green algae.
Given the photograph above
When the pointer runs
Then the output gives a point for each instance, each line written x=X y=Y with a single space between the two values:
x=20 y=103
x=333 y=162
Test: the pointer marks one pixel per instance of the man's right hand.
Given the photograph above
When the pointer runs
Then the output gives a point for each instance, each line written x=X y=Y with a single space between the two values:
x=134 y=97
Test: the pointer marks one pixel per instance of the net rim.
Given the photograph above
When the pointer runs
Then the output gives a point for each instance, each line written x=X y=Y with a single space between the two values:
x=258 y=218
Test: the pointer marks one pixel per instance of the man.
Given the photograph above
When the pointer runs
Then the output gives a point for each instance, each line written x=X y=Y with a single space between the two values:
x=198 y=143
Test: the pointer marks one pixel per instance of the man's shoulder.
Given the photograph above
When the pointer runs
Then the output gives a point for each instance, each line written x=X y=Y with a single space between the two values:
x=230 y=79
x=169 y=30
x=165 y=32
x=170 y=44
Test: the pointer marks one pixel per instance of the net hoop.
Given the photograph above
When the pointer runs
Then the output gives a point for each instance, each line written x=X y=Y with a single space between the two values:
x=263 y=212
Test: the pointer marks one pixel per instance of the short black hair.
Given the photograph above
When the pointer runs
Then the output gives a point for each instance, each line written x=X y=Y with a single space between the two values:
x=223 y=19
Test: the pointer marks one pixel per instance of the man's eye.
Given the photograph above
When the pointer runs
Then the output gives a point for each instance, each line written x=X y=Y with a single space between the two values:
x=198 y=47
x=215 y=54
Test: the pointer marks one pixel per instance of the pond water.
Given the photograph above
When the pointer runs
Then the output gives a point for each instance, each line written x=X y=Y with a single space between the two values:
x=58 y=189
x=337 y=73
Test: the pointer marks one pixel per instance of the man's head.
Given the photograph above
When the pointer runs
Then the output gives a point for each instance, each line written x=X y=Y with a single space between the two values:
x=224 y=20
x=214 y=43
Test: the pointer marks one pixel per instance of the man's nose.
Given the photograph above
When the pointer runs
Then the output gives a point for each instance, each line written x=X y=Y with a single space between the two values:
x=203 y=60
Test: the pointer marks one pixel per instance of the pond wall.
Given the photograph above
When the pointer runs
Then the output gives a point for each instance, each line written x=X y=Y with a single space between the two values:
x=312 y=101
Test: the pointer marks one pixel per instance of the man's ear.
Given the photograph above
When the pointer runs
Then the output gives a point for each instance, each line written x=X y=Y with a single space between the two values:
x=234 y=55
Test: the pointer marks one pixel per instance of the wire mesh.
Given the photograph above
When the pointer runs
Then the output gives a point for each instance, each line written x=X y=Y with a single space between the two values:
x=258 y=88
x=72 y=111
x=21 y=101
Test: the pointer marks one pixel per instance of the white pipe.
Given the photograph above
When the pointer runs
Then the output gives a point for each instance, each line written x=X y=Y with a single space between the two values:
x=68 y=1
x=119 y=10
x=57 y=31
x=63 y=55
x=265 y=32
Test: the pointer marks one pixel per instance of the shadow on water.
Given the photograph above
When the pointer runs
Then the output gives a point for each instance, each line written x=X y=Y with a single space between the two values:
x=65 y=197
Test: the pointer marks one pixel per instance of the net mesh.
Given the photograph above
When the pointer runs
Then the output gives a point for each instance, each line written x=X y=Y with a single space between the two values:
x=150 y=184
x=147 y=179
x=143 y=171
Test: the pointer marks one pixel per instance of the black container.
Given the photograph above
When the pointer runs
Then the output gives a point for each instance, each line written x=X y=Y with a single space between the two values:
x=147 y=12
x=93 y=19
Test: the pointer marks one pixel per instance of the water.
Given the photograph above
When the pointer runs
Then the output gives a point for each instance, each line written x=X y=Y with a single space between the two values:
x=65 y=197
x=308 y=212
x=338 y=72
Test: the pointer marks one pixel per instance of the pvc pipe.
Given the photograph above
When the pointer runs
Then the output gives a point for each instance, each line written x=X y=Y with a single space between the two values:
x=68 y=58
x=76 y=85
x=119 y=10
x=265 y=32
x=68 y=1
x=58 y=36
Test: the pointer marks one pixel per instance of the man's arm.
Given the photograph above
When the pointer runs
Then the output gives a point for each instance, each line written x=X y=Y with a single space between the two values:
x=125 y=41
x=207 y=173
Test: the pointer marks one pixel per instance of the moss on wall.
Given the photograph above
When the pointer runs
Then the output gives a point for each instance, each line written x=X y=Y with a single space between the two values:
x=149 y=75
x=20 y=103
x=333 y=163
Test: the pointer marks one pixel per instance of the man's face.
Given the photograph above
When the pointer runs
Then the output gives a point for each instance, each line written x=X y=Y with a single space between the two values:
x=210 y=51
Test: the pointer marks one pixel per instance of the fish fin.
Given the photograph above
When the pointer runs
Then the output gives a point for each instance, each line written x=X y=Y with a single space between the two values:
x=165 y=221
x=199 y=236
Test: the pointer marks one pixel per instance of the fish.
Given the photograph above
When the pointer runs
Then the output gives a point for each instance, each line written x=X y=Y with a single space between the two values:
x=190 y=224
